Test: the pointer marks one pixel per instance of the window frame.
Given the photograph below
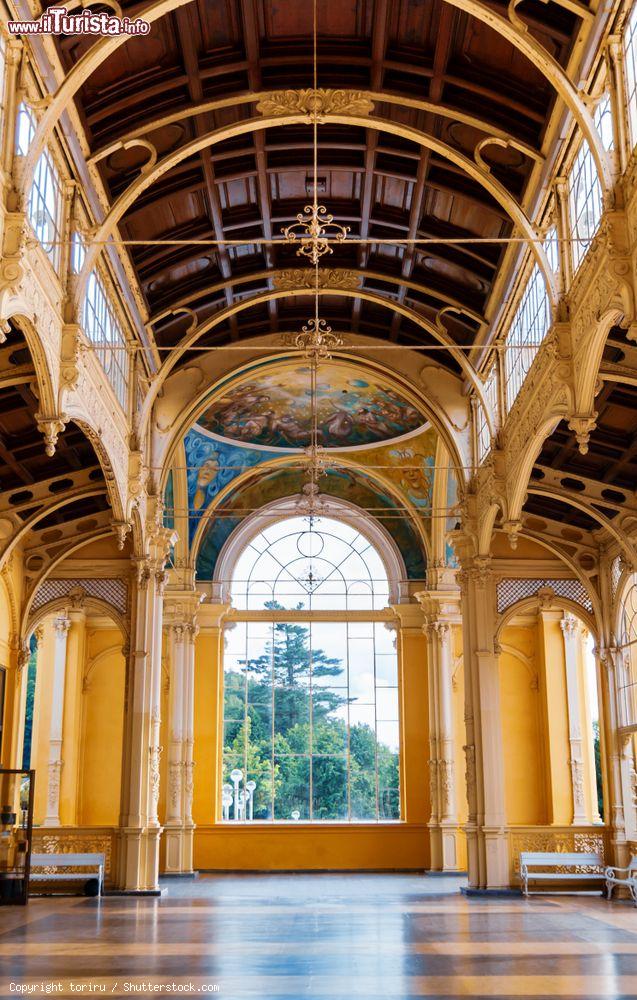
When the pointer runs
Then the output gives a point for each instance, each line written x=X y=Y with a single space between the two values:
x=309 y=618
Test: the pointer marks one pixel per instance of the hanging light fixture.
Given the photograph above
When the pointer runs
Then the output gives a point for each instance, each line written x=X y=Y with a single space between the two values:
x=314 y=228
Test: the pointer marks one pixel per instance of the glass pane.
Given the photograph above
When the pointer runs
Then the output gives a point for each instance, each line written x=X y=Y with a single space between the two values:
x=363 y=795
x=311 y=709
x=292 y=788
x=292 y=720
x=387 y=704
x=234 y=737
x=385 y=639
x=329 y=788
x=387 y=670
x=363 y=715
x=387 y=733
x=329 y=736
x=361 y=670
x=234 y=695
x=329 y=654
x=259 y=772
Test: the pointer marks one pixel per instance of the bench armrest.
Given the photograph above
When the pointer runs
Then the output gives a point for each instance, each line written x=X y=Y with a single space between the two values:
x=610 y=869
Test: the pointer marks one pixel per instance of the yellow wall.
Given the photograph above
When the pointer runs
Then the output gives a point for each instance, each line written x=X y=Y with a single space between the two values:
x=312 y=846
x=102 y=728
x=525 y=797
x=555 y=718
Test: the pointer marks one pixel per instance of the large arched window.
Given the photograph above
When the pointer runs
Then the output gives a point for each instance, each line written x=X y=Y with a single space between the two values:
x=311 y=704
x=627 y=672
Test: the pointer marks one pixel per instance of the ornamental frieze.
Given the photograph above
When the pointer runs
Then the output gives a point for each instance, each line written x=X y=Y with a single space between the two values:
x=295 y=278
x=314 y=103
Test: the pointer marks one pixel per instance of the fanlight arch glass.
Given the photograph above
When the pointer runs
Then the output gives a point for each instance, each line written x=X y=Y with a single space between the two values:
x=311 y=707
x=311 y=564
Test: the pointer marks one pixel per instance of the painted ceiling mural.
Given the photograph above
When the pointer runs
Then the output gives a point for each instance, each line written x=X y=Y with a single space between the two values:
x=213 y=462
x=272 y=407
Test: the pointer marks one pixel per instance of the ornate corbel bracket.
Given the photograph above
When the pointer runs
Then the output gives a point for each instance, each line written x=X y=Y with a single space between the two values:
x=512 y=529
x=51 y=428
x=583 y=426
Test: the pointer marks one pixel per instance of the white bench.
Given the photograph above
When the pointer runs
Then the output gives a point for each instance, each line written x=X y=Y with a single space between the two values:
x=540 y=866
x=93 y=863
x=629 y=881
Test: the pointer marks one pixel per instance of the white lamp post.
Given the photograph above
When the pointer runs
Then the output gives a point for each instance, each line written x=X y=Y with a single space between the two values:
x=235 y=778
x=250 y=787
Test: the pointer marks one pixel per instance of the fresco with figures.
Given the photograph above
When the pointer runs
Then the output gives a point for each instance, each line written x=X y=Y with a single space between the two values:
x=274 y=408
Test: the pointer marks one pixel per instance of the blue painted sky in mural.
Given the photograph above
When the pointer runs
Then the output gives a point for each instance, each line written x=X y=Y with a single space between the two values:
x=212 y=464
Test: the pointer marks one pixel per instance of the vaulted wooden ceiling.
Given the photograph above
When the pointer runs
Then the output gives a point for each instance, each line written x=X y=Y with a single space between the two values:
x=378 y=184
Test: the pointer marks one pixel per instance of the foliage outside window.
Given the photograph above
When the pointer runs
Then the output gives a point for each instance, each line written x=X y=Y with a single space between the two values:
x=627 y=667
x=311 y=707
x=585 y=196
x=528 y=328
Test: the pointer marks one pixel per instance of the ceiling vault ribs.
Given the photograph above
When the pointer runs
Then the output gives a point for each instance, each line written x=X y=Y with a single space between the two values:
x=379 y=45
x=195 y=89
x=429 y=70
x=441 y=58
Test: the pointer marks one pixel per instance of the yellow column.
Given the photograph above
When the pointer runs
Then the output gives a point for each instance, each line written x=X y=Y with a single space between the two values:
x=442 y=611
x=72 y=726
x=13 y=738
x=487 y=842
x=140 y=829
x=571 y=632
x=181 y=611
x=61 y=627
x=208 y=693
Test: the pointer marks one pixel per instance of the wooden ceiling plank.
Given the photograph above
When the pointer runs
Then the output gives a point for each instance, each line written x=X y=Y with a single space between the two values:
x=444 y=38
x=202 y=127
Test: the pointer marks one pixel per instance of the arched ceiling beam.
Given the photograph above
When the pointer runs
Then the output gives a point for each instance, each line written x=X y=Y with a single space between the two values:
x=277 y=275
x=378 y=97
x=58 y=102
x=515 y=33
x=471 y=168
x=587 y=508
x=437 y=332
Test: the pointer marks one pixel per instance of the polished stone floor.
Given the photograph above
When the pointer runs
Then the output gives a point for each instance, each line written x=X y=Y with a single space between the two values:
x=333 y=937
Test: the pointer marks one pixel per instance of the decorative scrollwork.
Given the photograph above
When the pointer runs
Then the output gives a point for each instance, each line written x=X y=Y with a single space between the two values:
x=316 y=340
x=295 y=278
x=313 y=229
x=314 y=104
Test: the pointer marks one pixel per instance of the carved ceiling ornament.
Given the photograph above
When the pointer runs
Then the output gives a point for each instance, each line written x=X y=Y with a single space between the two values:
x=295 y=278
x=315 y=104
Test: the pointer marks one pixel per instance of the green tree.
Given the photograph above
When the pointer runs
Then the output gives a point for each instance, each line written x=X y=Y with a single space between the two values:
x=289 y=737
x=598 y=769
